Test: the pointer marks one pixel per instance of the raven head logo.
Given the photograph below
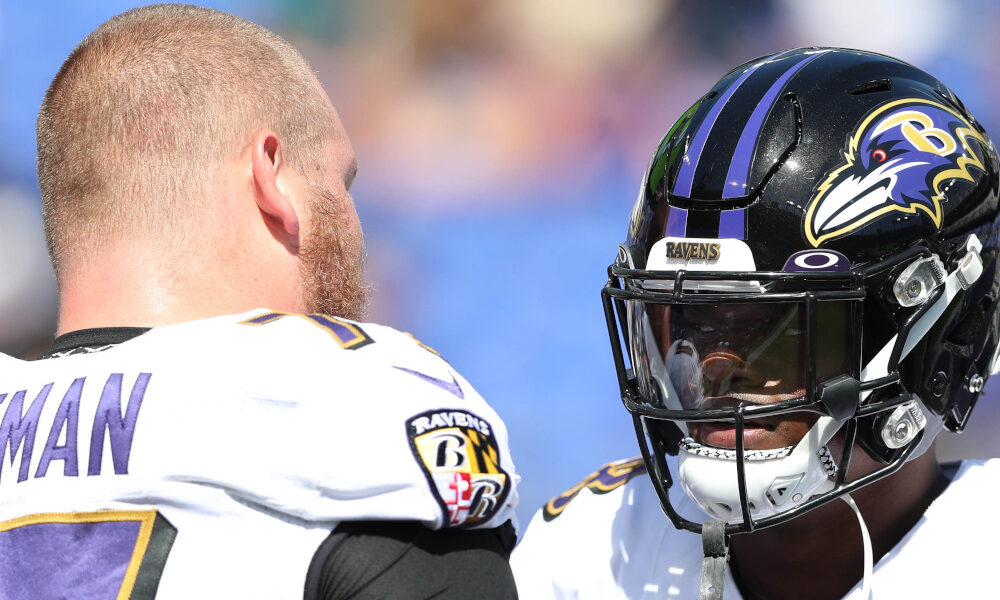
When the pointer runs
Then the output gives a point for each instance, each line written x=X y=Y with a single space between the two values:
x=897 y=161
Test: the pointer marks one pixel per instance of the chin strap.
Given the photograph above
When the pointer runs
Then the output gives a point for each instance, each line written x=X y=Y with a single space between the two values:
x=866 y=539
x=715 y=543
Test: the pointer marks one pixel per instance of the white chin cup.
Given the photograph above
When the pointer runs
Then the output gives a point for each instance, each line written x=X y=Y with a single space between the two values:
x=776 y=480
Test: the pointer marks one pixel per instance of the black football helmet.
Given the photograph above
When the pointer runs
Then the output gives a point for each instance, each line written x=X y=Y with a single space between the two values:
x=814 y=242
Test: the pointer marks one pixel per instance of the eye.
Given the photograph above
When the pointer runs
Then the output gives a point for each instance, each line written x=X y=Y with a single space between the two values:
x=879 y=155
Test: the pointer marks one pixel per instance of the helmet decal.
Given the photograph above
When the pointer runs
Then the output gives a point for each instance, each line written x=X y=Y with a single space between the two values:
x=732 y=223
x=685 y=177
x=677 y=222
x=739 y=168
x=689 y=250
x=817 y=260
x=896 y=161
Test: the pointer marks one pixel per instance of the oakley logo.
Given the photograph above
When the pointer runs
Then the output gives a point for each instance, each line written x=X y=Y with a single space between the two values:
x=817 y=260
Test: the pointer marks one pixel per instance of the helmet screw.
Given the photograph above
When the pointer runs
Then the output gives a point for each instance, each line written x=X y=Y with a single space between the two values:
x=975 y=384
x=902 y=425
x=938 y=384
x=913 y=288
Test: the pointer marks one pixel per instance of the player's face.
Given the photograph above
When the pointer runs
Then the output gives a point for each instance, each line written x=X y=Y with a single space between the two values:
x=718 y=356
x=333 y=249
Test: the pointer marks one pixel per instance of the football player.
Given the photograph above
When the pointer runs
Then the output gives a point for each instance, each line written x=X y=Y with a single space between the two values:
x=212 y=420
x=807 y=295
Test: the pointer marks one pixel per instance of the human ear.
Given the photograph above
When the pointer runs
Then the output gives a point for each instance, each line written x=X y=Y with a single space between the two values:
x=273 y=199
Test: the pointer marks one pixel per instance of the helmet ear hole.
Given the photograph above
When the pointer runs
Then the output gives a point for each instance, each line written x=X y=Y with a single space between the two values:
x=971 y=326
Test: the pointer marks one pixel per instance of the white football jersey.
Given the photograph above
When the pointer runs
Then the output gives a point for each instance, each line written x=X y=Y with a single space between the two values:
x=210 y=459
x=608 y=539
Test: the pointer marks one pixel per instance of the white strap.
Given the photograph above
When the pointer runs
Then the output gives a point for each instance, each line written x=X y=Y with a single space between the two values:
x=866 y=540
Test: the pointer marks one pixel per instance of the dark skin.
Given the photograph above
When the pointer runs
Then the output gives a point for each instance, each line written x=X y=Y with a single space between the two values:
x=819 y=555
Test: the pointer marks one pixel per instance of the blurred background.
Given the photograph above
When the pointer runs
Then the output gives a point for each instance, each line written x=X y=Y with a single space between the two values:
x=501 y=145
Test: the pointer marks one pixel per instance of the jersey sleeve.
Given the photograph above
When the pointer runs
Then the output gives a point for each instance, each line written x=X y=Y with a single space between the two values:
x=365 y=423
x=568 y=545
x=557 y=560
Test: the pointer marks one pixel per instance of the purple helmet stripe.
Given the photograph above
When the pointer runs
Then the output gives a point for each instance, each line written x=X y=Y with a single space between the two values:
x=685 y=176
x=732 y=224
x=677 y=220
x=739 y=168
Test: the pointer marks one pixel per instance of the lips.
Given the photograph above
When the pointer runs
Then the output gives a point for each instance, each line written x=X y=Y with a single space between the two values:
x=723 y=435
x=758 y=434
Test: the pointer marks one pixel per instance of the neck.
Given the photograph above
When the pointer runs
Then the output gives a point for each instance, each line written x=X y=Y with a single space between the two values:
x=141 y=288
x=820 y=554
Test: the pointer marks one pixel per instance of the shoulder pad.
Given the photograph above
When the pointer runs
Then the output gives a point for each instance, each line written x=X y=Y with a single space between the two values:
x=609 y=477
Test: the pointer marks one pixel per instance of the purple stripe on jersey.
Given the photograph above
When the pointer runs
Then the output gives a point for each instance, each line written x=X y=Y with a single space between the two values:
x=677 y=220
x=732 y=224
x=453 y=387
x=340 y=330
x=739 y=168
x=685 y=176
x=265 y=318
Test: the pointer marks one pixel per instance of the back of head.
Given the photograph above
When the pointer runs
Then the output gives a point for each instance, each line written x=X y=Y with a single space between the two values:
x=137 y=123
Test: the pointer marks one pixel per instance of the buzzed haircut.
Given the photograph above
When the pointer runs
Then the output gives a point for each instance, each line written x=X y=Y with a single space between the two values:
x=146 y=109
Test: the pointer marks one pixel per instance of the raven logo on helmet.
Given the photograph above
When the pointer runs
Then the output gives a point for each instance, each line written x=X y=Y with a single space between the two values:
x=896 y=161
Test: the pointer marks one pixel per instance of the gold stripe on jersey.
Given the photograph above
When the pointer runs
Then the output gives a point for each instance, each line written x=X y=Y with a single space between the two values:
x=609 y=477
x=422 y=345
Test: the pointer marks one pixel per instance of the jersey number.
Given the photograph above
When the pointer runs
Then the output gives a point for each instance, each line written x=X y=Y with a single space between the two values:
x=106 y=555
x=348 y=335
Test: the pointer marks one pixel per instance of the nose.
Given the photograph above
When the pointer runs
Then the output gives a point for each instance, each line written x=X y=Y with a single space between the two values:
x=718 y=369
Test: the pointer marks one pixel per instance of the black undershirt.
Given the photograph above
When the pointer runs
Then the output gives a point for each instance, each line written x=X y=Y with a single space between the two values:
x=369 y=560
x=364 y=560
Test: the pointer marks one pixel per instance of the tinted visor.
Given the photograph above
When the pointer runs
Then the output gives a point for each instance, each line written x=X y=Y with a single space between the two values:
x=692 y=354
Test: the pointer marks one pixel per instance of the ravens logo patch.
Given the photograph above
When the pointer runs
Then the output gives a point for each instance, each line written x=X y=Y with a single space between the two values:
x=461 y=459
